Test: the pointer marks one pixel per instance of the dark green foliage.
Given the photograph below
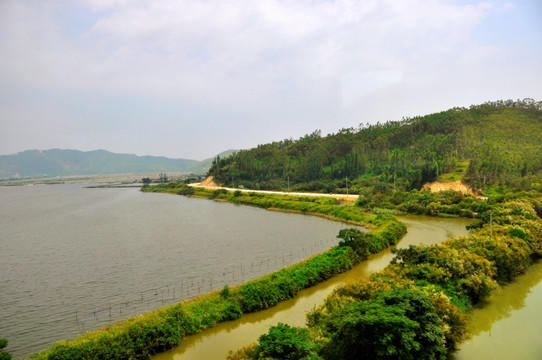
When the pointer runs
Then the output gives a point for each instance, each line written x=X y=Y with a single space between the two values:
x=286 y=343
x=225 y=292
x=457 y=271
x=494 y=147
x=3 y=354
x=364 y=243
x=443 y=203
x=269 y=290
x=399 y=324
x=517 y=232
x=172 y=187
x=216 y=193
x=393 y=303
x=232 y=312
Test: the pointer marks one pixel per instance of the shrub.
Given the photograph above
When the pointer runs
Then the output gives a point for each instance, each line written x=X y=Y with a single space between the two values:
x=225 y=292
x=3 y=354
x=288 y=343
x=399 y=324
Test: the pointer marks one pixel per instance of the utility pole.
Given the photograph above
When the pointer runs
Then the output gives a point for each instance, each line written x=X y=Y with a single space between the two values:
x=288 y=183
x=491 y=226
x=393 y=182
x=347 y=185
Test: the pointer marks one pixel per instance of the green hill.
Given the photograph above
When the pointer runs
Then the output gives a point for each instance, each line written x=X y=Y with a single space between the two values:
x=58 y=162
x=498 y=144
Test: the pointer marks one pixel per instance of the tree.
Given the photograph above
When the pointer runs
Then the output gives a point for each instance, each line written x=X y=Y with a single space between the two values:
x=163 y=177
x=288 y=343
x=146 y=180
x=400 y=324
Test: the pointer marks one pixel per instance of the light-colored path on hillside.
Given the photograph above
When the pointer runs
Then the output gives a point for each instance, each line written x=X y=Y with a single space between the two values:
x=342 y=197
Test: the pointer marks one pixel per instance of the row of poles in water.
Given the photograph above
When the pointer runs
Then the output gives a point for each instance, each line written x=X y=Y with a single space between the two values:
x=191 y=287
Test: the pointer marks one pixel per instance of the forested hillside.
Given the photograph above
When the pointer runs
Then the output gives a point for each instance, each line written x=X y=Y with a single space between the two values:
x=496 y=144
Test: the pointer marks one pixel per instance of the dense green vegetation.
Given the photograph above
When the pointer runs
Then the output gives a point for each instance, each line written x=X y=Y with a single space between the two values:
x=444 y=203
x=494 y=145
x=415 y=308
x=3 y=354
x=141 y=337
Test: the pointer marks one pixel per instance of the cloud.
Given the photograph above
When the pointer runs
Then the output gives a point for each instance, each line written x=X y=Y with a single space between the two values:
x=192 y=48
x=267 y=65
x=356 y=85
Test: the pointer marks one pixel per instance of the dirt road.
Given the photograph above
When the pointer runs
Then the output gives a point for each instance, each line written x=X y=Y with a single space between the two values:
x=341 y=197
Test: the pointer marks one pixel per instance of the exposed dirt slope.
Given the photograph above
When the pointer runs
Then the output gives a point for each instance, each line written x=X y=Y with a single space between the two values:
x=455 y=185
x=209 y=182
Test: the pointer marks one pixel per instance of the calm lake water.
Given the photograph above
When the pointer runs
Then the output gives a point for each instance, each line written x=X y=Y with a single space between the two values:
x=74 y=259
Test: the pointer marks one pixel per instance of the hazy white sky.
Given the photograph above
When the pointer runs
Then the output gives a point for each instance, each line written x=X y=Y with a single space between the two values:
x=193 y=78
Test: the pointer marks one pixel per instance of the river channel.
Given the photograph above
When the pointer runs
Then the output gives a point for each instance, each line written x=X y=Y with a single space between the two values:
x=215 y=343
x=508 y=324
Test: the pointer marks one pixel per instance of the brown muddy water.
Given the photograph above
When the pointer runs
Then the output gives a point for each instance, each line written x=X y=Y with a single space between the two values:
x=508 y=324
x=215 y=343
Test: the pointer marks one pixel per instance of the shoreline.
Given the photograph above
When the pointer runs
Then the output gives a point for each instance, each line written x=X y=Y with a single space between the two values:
x=218 y=307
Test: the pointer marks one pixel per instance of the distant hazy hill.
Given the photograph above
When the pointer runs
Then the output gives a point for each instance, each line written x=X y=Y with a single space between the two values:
x=58 y=162
x=204 y=165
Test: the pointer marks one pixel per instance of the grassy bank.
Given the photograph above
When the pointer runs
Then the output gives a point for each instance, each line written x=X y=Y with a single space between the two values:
x=415 y=308
x=145 y=335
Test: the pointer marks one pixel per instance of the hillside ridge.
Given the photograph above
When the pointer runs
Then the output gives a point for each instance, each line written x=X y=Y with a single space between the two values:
x=494 y=145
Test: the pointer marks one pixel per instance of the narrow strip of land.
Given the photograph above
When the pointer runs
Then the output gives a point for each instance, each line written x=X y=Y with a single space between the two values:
x=342 y=197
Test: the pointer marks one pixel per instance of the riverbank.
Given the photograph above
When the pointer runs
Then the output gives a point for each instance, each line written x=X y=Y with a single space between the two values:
x=163 y=329
x=63 y=281
x=415 y=308
x=215 y=343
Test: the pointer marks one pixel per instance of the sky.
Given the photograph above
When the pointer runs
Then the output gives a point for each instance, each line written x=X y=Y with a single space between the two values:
x=190 y=79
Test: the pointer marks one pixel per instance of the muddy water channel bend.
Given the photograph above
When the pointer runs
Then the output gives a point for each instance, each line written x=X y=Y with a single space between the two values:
x=215 y=343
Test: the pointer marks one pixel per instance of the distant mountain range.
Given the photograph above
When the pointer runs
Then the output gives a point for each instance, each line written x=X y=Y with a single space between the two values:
x=57 y=162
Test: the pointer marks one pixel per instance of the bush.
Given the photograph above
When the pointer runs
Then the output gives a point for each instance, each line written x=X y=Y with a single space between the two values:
x=288 y=343
x=225 y=292
x=399 y=324
x=3 y=354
